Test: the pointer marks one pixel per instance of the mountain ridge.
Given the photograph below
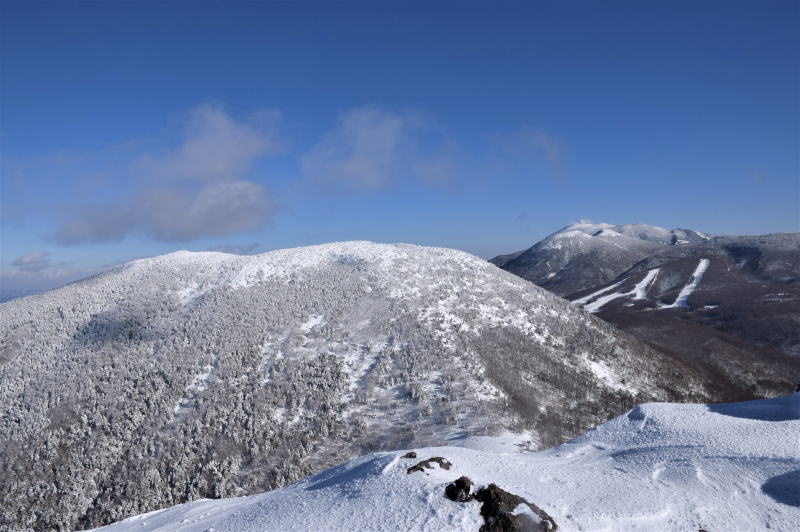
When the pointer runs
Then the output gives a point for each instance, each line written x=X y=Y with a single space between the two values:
x=756 y=277
x=206 y=375
x=582 y=254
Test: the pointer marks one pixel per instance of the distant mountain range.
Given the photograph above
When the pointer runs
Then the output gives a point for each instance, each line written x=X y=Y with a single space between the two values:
x=716 y=301
x=196 y=375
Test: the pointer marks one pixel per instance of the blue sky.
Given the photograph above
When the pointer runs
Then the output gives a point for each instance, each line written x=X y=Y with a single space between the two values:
x=137 y=128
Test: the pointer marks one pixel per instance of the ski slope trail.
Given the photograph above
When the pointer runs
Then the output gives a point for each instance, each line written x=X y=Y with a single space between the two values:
x=682 y=300
x=639 y=291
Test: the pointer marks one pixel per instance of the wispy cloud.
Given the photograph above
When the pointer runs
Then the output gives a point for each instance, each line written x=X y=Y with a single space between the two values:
x=217 y=209
x=363 y=150
x=33 y=262
x=372 y=147
x=526 y=147
x=215 y=147
x=242 y=249
x=35 y=272
x=203 y=184
x=442 y=166
x=199 y=189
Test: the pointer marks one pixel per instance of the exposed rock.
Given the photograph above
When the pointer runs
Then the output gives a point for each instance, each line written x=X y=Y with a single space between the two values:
x=497 y=511
x=444 y=464
x=411 y=454
x=459 y=490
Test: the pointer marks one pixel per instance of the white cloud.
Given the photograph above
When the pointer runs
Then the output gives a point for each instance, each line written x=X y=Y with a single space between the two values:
x=215 y=148
x=364 y=150
x=199 y=189
x=216 y=209
x=29 y=279
x=440 y=167
x=526 y=148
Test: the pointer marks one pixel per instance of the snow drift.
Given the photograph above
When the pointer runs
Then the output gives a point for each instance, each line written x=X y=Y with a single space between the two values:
x=660 y=467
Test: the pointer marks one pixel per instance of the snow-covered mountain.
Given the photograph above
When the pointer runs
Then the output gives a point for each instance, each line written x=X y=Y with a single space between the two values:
x=706 y=300
x=660 y=467
x=747 y=287
x=583 y=254
x=196 y=375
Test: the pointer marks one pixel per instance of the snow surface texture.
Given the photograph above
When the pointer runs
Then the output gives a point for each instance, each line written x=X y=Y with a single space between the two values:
x=661 y=467
x=650 y=233
x=207 y=375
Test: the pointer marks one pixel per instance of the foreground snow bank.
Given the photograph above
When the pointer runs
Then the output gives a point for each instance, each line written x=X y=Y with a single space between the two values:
x=659 y=467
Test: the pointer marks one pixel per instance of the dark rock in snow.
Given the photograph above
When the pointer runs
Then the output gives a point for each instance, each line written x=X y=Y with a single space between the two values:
x=497 y=512
x=459 y=490
x=443 y=463
x=411 y=454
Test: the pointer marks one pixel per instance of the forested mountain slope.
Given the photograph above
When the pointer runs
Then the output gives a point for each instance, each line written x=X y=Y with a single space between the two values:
x=197 y=375
x=659 y=468
x=583 y=254
x=724 y=301
x=745 y=286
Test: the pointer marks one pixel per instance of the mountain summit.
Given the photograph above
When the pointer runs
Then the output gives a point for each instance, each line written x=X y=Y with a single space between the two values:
x=583 y=254
x=195 y=375
x=726 y=305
